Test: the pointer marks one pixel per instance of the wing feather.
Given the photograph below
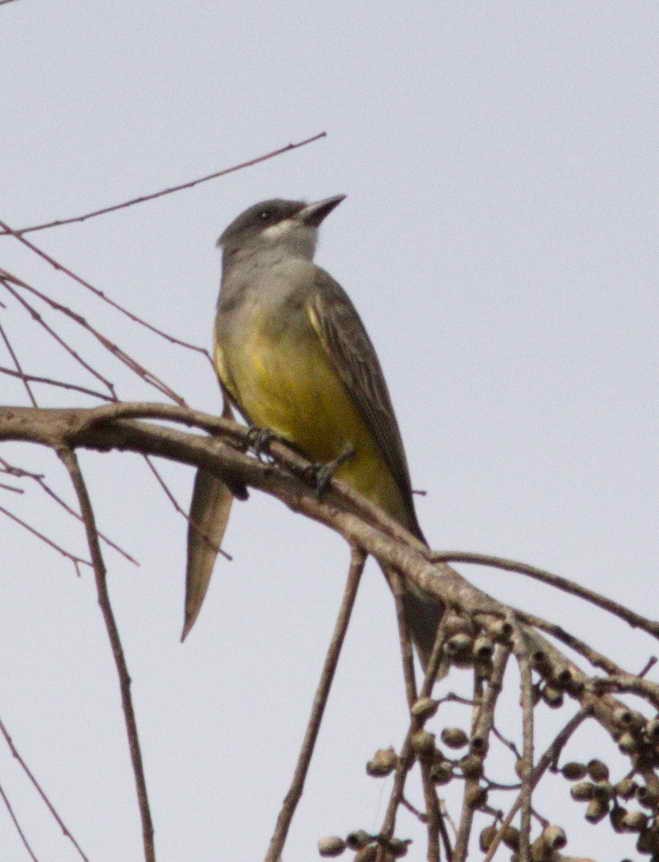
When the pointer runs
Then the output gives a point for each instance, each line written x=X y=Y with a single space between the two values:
x=344 y=337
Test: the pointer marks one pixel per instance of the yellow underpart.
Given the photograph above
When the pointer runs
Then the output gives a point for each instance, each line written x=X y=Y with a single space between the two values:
x=284 y=380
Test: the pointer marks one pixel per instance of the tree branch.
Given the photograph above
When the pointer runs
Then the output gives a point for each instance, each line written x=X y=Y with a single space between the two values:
x=341 y=509
x=70 y=461
x=40 y=790
x=560 y=583
x=357 y=560
x=170 y=189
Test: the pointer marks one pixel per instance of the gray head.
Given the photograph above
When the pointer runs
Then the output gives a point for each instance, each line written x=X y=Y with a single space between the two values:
x=291 y=226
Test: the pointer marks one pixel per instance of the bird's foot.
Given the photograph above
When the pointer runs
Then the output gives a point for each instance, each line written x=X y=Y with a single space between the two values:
x=259 y=439
x=322 y=473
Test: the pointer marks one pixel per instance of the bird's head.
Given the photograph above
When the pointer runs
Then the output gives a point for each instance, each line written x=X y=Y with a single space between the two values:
x=292 y=225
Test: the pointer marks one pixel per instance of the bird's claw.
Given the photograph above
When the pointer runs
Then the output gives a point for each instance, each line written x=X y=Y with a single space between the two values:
x=259 y=439
x=321 y=474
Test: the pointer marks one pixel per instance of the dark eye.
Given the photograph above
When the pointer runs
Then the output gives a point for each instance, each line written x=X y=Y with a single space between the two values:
x=265 y=215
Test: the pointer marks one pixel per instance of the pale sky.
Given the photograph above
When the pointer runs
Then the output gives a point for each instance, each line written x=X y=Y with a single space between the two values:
x=499 y=240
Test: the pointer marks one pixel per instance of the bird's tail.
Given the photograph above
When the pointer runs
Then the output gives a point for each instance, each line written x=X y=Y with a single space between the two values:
x=423 y=612
x=209 y=515
x=422 y=615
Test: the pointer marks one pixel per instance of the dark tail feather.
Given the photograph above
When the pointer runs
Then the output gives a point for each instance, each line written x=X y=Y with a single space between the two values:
x=422 y=615
x=209 y=514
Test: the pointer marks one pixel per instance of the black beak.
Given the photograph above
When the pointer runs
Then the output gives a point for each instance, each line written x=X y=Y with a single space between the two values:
x=313 y=214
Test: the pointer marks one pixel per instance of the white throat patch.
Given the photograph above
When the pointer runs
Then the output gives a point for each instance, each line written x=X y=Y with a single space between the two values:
x=278 y=231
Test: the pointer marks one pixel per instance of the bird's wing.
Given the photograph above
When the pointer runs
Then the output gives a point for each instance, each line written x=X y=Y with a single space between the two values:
x=344 y=337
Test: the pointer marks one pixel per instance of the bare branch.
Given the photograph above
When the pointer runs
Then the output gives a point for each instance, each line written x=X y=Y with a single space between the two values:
x=136 y=367
x=627 y=683
x=357 y=561
x=34 y=314
x=26 y=769
x=521 y=652
x=99 y=293
x=39 y=479
x=177 y=506
x=70 y=461
x=430 y=796
x=647 y=667
x=17 y=825
x=406 y=755
x=470 y=788
x=560 y=583
x=550 y=756
x=405 y=643
x=19 y=371
x=597 y=659
x=364 y=526
x=360 y=523
x=75 y=559
x=171 y=189
x=62 y=384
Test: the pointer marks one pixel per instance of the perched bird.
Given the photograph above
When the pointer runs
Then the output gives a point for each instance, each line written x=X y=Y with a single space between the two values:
x=293 y=356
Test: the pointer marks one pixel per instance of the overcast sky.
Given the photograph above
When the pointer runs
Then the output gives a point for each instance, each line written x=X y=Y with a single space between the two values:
x=500 y=241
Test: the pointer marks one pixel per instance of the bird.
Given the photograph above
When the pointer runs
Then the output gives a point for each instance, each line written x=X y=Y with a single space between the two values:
x=294 y=358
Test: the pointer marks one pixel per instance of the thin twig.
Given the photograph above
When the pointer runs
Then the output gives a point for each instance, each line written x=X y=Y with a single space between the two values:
x=19 y=371
x=550 y=756
x=520 y=650
x=407 y=658
x=74 y=559
x=70 y=461
x=62 y=384
x=510 y=745
x=171 y=189
x=482 y=726
x=471 y=783
x=597 y=659
x=17 y=825
x=178 y=508
x=647 y=667
x=39 y=479
x=98 y=293
x=40 y=790
x=136 y=367
x=627 y=682
x=34 y=314
x=357 y=560
x=421 y=816
x=436 y=816
x=404 y=640
x=484 y=723
x=635 y=620
x=18 y=234
x=434 y=819
x=406 y=756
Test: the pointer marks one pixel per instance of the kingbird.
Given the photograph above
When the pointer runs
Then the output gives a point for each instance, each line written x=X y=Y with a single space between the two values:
x=293 y=356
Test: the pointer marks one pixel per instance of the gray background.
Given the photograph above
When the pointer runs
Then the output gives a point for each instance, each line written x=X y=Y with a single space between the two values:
x=499 y=239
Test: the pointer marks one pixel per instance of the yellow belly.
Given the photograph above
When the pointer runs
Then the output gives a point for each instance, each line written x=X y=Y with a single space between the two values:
x=290 y=386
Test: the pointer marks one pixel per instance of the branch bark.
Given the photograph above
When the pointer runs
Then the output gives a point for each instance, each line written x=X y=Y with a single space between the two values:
x=123 y=427
x=341 y=509
x=70 y=461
